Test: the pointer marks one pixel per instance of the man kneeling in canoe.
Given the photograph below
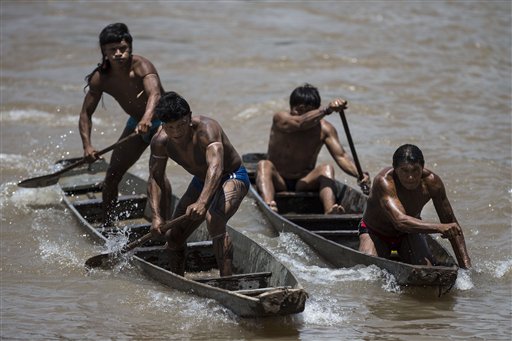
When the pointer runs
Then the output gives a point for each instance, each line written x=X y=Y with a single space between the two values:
x=391 y=220
x=220 y=182
x=296 y=138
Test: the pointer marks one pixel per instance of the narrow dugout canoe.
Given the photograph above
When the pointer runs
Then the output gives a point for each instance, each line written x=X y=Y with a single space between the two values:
x=261 y=285
x=335 y=237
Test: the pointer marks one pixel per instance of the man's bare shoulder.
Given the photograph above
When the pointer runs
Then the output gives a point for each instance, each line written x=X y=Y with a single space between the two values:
x=204 y=121
x=142 y=66
x=159 y=140
x=432 y=181
x=281 y=116
x=327 y=127
x=384 y=179
x=96 y=83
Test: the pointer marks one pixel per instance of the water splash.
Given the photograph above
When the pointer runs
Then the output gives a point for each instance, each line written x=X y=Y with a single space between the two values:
x=497 y=268
x=322 y=311
x=57 y=252
x=464 y=281
x=390 y=284
x=195 y=309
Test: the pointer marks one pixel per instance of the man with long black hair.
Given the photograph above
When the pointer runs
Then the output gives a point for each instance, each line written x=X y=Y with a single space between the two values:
x=134 y=83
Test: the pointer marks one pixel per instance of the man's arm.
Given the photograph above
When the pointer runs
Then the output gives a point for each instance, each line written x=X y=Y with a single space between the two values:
x=333 y=144
x=152 y=88
x=397 y=215
x=445 y=212
x=89 y=105
x=156 y=181
x=215 y=162
x=289 y=123
x=338 y=153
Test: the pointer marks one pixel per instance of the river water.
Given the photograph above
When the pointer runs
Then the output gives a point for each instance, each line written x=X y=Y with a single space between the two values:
x=433 y=73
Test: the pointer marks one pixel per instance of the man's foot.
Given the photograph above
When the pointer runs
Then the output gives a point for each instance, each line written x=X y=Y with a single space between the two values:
x=336 y=209
x=273 y=206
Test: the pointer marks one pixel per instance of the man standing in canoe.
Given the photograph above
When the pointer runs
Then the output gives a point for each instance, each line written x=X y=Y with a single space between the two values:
x=134 y=83
x=219 y=185
x=392 y=220
x=296 y=138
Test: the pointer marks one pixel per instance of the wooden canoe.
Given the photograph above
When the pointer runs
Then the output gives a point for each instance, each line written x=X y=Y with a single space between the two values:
x=335 y=237
x=261 y=285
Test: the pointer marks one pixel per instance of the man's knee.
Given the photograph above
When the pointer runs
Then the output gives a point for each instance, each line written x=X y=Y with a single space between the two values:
x=326 y=170
x=366 y=245
x=175 y=240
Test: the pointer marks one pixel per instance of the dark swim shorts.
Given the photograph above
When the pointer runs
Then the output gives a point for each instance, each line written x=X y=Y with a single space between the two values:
x=132 y=124
x=239 y=174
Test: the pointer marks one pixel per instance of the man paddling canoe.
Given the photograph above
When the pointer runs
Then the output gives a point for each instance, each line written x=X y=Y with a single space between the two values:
x=134 y=83
x=296 y=138
x=220 y=182
x=392 y=220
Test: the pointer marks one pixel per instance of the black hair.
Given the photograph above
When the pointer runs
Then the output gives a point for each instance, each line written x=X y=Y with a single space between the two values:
x=306 y=95
x=171 y=107
x=113 y=33
x=408 y=153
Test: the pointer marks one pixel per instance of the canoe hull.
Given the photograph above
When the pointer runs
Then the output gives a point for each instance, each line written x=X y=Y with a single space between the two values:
x=261 y=285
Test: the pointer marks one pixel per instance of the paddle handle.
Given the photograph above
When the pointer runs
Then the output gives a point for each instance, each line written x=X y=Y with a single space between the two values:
x=52 y=179
x=145 y=238
x=364 y=187
x=101 y=152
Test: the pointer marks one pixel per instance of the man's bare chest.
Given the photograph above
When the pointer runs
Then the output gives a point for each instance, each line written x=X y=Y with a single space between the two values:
x=413 y=201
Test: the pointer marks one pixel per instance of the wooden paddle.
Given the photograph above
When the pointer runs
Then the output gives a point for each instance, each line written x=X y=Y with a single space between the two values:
x=364 y=187
x=52 y=179
x=108 y=260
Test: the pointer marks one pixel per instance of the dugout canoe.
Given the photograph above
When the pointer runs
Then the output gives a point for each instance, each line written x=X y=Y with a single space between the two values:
x=335 y=237
x=261 y=285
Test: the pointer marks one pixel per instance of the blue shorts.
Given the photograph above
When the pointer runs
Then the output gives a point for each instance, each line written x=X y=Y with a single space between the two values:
x=240 y=174
x=132 y=124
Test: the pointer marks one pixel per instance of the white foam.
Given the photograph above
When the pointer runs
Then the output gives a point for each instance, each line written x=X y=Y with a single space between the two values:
x=42 y=117
x=29 y=197
x=323 y=313
x=502 y=268
x=191 y=306
x=464 y=281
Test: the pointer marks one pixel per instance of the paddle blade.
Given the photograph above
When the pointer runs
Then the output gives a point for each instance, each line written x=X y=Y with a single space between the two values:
x=104 y=261
x=40 y=181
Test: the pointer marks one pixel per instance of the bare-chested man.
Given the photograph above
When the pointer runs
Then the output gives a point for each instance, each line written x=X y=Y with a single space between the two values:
x=392 y=220
x=296 y=138
x=220 y=182
x=133 y=81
